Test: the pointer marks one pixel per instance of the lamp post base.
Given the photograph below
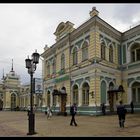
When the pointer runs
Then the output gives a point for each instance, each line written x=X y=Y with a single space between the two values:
x=31 y=124
x=31 y=133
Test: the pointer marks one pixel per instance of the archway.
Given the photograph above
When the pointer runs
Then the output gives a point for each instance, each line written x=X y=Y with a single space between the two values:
x=113 y=94
x=103 y=92
x=13 y=101
x=62 y=95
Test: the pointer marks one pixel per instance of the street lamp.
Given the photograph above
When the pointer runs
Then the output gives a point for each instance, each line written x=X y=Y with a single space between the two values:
x=31 y=66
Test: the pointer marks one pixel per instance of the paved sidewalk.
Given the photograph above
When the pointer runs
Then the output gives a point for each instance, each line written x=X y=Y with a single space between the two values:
x=16 y=124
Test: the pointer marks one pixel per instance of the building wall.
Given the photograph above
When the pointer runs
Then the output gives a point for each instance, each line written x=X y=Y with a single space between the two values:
x=95 y=70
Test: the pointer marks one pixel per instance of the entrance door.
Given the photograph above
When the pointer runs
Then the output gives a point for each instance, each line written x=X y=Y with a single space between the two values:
x=111 y=101
x=111 y=97
x=63 y=103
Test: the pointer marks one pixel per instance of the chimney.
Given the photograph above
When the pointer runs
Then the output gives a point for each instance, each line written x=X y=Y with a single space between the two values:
x=46 y=47
x=94 y=12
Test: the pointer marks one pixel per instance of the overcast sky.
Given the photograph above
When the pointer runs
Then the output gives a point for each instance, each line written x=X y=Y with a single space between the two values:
x=26 y=27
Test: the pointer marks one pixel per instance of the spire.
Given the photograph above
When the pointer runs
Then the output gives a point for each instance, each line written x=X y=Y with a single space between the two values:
x=12 y=65
x=12 y=71
x=3 y=74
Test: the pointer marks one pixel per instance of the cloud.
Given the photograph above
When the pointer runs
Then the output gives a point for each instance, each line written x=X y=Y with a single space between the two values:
x=128 y=13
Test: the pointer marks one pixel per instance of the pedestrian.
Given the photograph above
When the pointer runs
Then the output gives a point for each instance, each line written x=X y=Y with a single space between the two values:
x=46 y=110
x=103 y=108
x=132 y=107
x=121 y=111
x=34 y=108
x=73 y=111
x=49 y=112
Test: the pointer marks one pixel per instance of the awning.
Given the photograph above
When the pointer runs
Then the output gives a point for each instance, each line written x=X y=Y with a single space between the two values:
x=120 y=89
x=59 y=92
x=114 y=91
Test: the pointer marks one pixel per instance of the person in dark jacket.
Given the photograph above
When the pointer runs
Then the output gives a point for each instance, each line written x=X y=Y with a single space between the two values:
x=121 y=111
x=73 y=110
x=132 y=107
x=103 y=108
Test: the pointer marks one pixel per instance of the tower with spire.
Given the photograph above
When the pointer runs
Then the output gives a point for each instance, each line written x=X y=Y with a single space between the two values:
x=11 y=83
x=12 y=72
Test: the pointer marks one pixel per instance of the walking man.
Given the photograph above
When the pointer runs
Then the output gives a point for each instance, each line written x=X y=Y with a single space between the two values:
x=73 y=111
x=121 y=111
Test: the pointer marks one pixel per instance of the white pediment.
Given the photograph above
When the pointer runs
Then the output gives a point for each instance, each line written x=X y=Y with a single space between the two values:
x=63 y=29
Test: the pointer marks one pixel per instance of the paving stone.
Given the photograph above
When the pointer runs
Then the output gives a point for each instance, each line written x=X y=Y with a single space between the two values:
x=15 y=123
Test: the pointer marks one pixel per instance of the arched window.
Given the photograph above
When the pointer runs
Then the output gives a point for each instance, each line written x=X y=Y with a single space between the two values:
x=48 y=68
x=13 y=101
x=62 y=61
x=103 y=92
x=111 y=86
x=75 y=58
x=103 y=50
x=75 y=94
x=85 y=94
x=135 y=52
x=54 y=66
x=136 y=92
x=85 y=51
x=111 y=53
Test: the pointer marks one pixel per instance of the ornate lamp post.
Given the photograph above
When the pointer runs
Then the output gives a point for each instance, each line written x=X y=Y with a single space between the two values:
x=31 y=66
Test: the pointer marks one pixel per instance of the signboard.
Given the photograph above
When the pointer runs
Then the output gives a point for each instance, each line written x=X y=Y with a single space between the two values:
x=38 y=85
x=62 y=79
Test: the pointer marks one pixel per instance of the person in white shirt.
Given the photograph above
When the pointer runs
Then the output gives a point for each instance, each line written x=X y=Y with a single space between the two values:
x=49 y=112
